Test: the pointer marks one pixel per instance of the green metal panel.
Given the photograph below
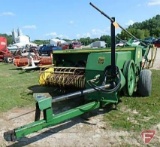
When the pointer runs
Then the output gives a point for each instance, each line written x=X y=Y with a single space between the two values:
x=44 y=101
x=74 y=57
x=98 y=61
x=91 y=50
x=96 y=64
x=138 y=55
x=55 y=119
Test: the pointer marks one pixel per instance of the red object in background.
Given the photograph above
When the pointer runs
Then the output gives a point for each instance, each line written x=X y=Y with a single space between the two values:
x=157 y=43
x=24 y=61
x=20 y=61
x=72 y=45
x=4 y=52
x=45 y=61
x=75 y=45
x=3 y=43
x=65 y=46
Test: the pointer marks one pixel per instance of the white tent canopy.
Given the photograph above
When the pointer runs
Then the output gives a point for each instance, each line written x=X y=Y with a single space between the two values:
x=55 y=41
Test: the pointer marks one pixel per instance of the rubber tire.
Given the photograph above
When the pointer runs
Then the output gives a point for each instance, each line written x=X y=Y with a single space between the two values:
x=9 y=60
x=125 y=73
x=5 y=59
x=145 y=83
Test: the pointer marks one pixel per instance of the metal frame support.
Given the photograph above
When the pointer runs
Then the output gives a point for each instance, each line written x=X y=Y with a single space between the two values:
x=50 y=120
x=113 y=51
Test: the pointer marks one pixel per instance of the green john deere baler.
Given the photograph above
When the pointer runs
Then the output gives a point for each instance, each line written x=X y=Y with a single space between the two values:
x=98 y=76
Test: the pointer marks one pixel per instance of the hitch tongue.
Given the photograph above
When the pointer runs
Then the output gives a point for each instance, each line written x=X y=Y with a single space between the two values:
x=9 y=135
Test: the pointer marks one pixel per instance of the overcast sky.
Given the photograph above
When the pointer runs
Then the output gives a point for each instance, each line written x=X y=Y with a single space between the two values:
x=71 y=19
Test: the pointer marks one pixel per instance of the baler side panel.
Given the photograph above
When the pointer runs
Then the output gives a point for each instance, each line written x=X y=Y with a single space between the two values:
x=96 y=64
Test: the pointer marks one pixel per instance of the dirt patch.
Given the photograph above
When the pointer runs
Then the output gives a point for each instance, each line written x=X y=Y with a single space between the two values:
x=76 y=132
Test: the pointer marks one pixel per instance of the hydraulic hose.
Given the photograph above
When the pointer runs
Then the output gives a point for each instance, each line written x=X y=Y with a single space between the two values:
x=115 y=85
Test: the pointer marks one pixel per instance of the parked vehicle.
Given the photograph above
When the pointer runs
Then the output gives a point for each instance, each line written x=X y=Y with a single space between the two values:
x=135 y=42
x=64 y=46
x=47 y=49
x=12 y=48
x=120 y=44
x=61 y=43
x=75 y=45
x=157 y=43
x=149 y=40
x=98 y=44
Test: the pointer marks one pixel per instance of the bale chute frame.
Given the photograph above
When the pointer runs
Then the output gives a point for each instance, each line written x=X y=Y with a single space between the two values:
x=149 y=58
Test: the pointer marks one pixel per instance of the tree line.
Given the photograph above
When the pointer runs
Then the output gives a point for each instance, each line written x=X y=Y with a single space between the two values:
x=141 y=30
x=144 y=29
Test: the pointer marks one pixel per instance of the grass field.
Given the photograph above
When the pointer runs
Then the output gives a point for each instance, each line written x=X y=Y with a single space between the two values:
x=14 y=87
x=137 y=113
x=134 y=113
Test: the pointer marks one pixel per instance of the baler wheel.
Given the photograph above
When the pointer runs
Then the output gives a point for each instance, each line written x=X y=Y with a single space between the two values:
x=129 y=74
x=145 y=83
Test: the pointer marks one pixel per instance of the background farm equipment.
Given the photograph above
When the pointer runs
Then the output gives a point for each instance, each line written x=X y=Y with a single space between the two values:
x=5 y=54
x=32 y=60
x=99 y=76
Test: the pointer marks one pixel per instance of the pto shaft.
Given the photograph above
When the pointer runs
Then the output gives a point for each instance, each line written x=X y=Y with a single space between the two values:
x=78 y=93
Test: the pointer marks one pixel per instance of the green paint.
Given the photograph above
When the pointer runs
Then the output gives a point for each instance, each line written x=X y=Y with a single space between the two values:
x=95 y=62
x=55 y=119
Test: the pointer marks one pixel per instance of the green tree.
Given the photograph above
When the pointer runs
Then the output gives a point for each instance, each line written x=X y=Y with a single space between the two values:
x=107 y=39
x=41 y=42
x=8 y=37
x=141 y=30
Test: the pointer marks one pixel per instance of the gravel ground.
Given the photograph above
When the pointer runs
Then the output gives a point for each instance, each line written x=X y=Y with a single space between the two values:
x=156 y=64
x=77 y=132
